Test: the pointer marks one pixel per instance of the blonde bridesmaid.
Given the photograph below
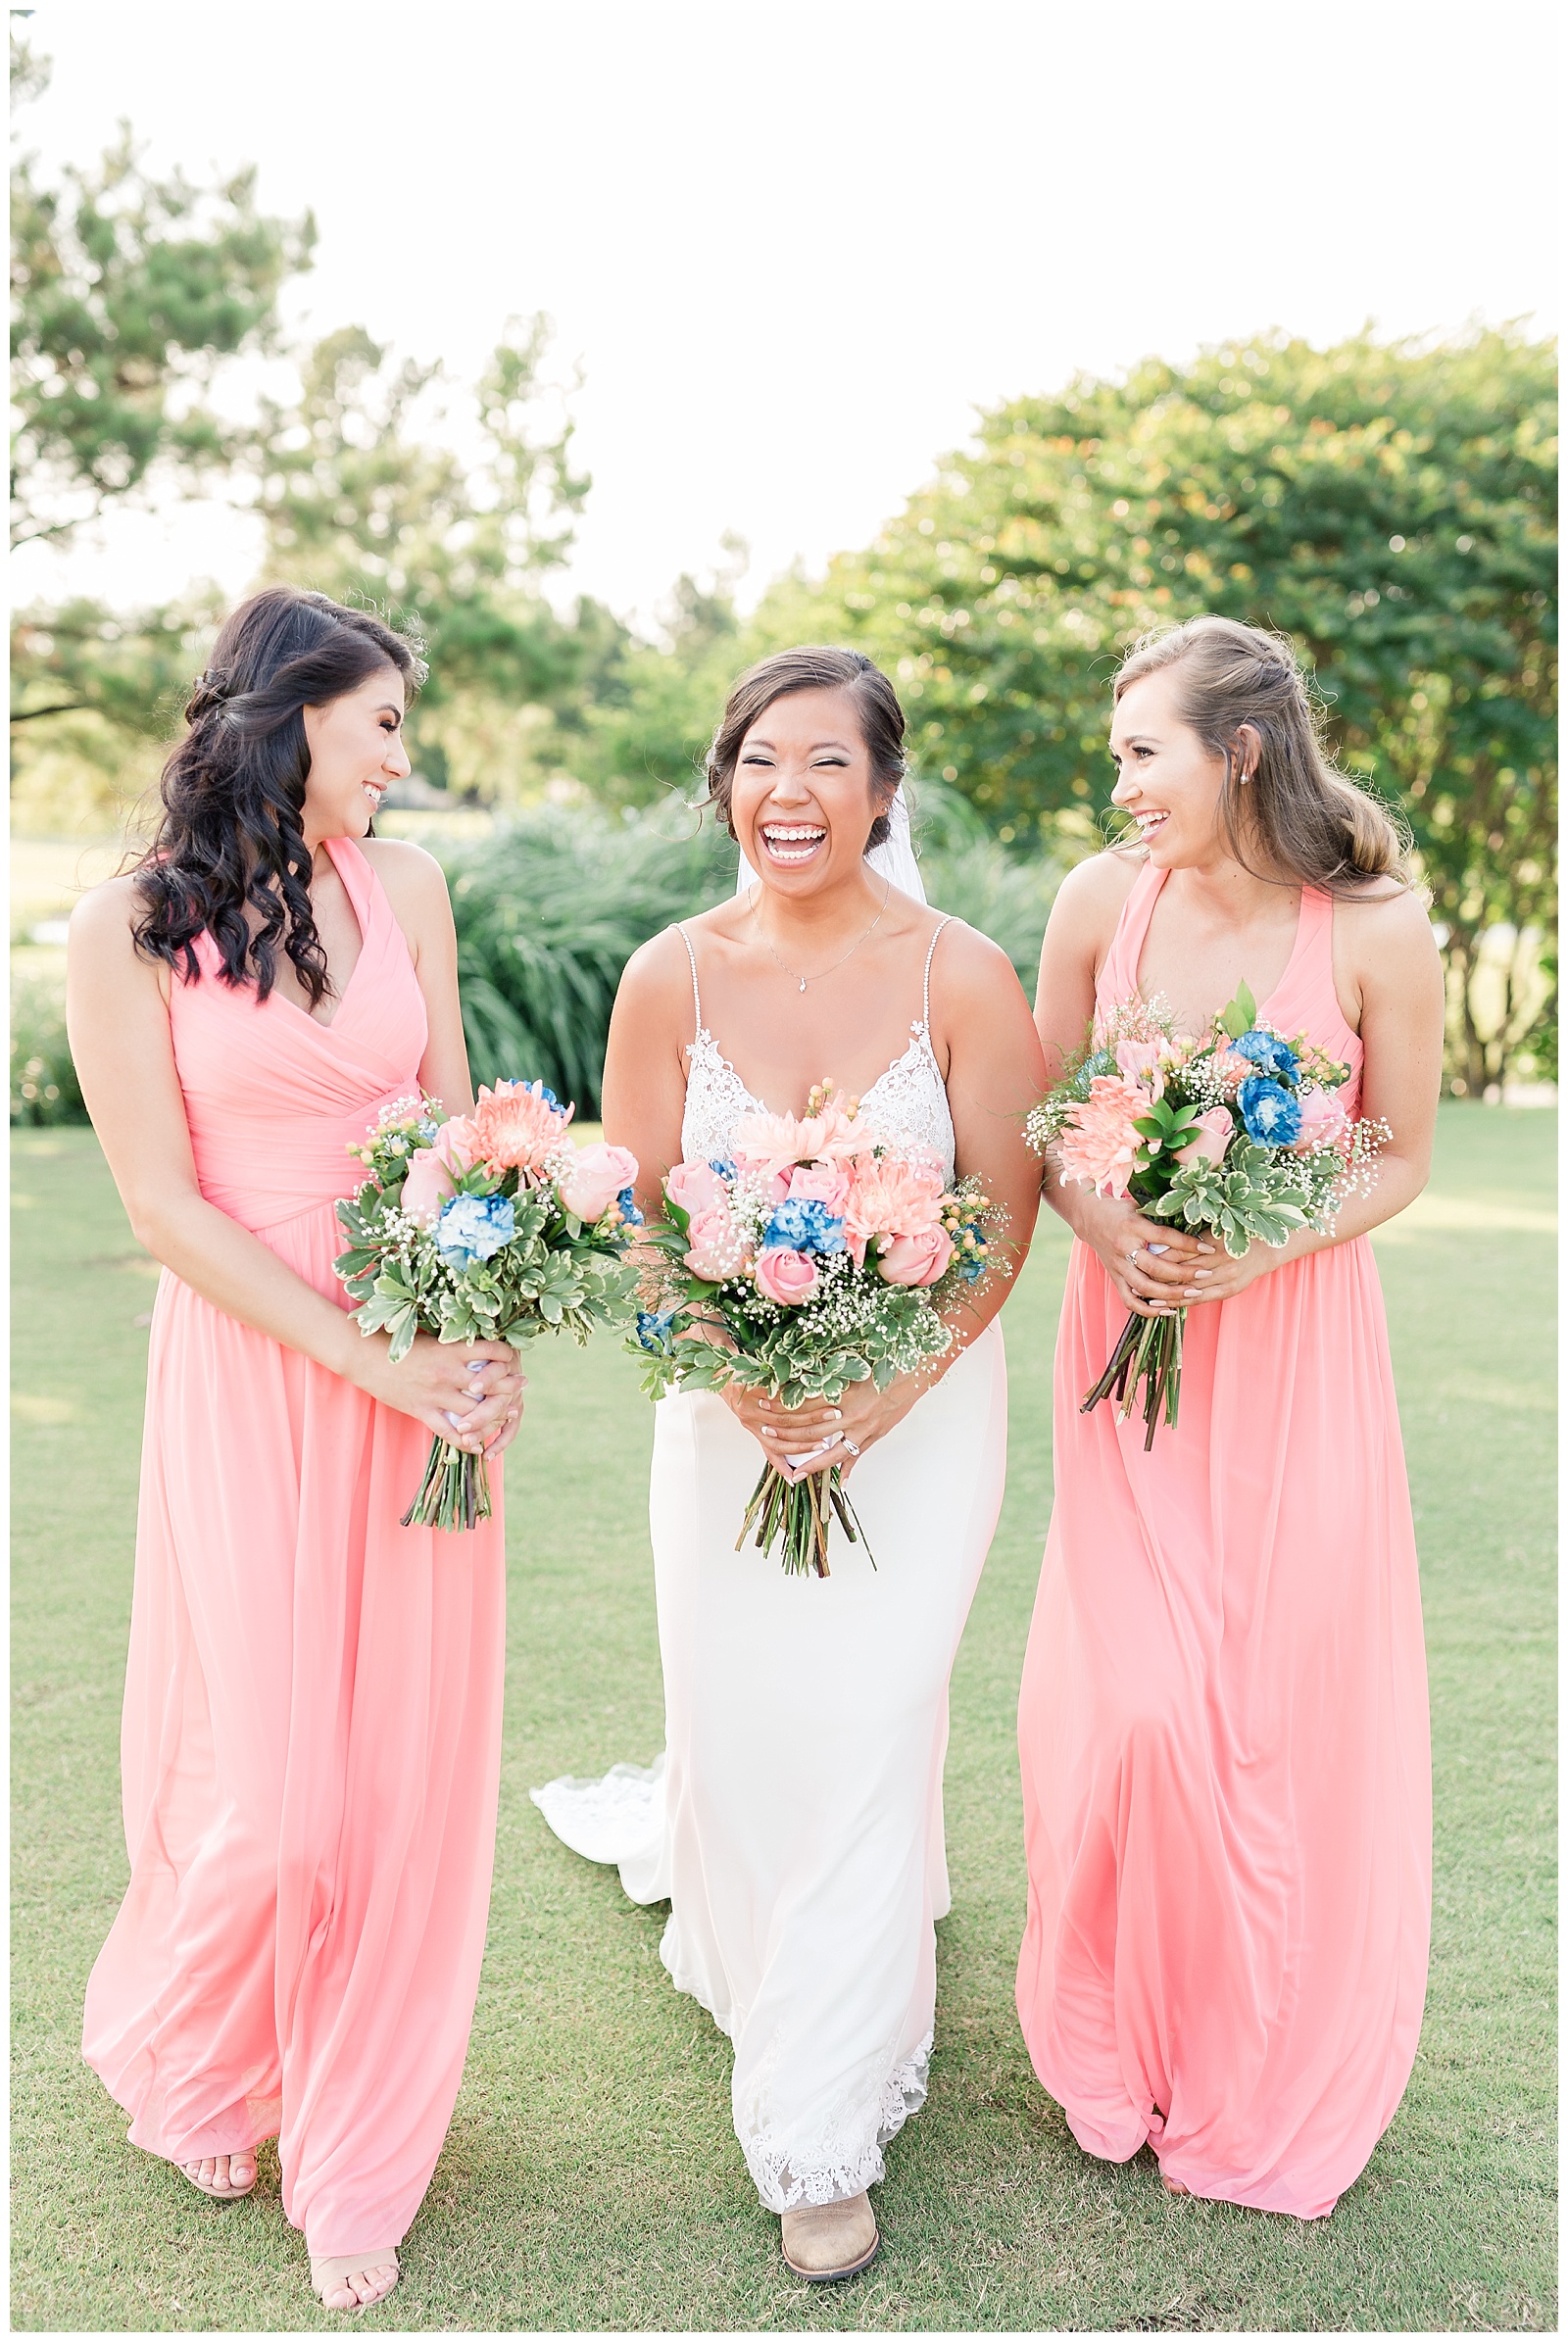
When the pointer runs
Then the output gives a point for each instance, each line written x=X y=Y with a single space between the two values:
x=313 y=1702
x=1223 y=1722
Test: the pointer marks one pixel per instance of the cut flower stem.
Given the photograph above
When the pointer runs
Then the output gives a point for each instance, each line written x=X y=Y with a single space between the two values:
x=454 y=1493
x=1147 y=1358
x=802 y=1512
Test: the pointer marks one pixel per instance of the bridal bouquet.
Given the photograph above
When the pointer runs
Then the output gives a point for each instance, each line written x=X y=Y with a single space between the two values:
x=489 y=1228
x=811 y=1258
x=1239 y=1131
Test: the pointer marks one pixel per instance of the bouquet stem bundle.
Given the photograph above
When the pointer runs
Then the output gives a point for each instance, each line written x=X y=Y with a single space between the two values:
x=804 y=1510
x=454 y=1493
x=1148 y=1359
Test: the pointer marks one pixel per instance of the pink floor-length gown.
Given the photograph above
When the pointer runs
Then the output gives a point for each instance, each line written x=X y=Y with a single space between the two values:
x=310 y=1744
x=1223 y=1719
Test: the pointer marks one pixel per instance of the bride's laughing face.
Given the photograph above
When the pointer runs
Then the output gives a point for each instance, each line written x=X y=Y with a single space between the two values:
x=804 y=795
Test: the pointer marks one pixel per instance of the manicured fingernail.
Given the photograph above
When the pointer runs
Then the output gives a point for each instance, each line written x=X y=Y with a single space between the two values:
x=1156 y=1248
x=835 y=1414
x=1192 y=1293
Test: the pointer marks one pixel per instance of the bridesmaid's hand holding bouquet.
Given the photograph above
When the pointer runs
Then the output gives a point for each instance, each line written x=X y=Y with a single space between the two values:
x=811 y=1259
x=1235 y=1133
x=492 y=1227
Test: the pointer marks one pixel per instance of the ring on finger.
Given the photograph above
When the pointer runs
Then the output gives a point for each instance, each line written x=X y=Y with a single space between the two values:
x=847 y=1441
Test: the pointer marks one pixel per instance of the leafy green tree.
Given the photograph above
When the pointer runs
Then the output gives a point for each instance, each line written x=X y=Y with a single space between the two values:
x=128 y=293
x=641 y=721
x=365 y=496
x=1391 y=508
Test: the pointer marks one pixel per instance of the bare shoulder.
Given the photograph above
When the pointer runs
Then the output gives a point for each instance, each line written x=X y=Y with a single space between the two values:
x=967 y=965
x=406 y=872
x=1101 y=883
x=104 y=921
x=656 y=980
x=1385 y=926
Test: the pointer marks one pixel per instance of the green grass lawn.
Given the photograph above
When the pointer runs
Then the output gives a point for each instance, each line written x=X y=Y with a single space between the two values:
x=590 y=2179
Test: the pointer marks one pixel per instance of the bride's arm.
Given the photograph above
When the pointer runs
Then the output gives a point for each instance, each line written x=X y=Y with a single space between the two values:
x=644 y=1083
x=994 y=1073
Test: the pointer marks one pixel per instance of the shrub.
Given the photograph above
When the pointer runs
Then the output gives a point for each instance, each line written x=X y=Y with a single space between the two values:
x=549 y=909
x=1007 y=900
x=43 y=1080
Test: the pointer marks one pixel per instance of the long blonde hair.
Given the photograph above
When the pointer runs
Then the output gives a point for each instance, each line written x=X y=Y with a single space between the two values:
x=1313 y=826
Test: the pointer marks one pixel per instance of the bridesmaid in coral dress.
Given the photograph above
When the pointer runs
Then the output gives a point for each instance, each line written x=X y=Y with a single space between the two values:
x=1223 y=1720
x=312 y=1703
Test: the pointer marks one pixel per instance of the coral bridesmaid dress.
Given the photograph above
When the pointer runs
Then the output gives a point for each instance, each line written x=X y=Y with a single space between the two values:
x=1223 y=1719
x=311 y=1730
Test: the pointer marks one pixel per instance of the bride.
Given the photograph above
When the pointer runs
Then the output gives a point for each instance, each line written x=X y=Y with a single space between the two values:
x=796 y=1821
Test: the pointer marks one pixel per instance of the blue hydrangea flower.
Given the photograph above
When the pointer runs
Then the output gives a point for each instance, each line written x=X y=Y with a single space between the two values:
x=1272 y=1116
x=722 y=1166
x=1268 y=1053
x=652 y=1331
x=474 y=1226
x=804 y=1224
x=541 y=1089
x=629 y=1208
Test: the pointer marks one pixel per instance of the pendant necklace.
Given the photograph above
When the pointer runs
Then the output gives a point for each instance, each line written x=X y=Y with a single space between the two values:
x=803 y=981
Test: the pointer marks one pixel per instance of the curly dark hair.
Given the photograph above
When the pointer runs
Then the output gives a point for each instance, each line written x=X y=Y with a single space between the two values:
x=231 y=840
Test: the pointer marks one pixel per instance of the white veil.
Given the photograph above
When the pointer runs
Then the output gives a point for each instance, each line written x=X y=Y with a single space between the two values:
x=896 y=859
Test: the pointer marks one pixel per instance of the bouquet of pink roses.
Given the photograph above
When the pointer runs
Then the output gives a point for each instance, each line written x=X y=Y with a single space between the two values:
x=1236 y=1131
x=492 y=1227
x=808 y=1258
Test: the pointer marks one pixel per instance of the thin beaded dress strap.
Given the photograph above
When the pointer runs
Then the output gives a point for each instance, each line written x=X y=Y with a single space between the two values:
x=697 y=997
x=925 y=1015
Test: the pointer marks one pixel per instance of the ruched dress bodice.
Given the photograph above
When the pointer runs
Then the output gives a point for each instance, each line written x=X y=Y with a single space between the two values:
x=274 y=1097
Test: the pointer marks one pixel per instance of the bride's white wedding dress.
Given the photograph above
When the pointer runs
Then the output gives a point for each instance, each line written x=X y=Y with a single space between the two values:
x=795 y=1821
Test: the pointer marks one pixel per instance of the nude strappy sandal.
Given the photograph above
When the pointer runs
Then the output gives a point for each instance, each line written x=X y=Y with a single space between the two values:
x=330 y=2271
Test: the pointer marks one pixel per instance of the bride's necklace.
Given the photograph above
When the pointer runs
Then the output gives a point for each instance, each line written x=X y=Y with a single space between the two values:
x=803 y=981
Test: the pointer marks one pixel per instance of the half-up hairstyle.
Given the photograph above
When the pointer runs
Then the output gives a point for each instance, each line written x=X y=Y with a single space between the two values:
x=231 y=840
x=1312 y=826
x=813 y=668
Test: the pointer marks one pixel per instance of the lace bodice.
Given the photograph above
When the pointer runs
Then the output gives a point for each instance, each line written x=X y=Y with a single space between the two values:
x=907 y=1107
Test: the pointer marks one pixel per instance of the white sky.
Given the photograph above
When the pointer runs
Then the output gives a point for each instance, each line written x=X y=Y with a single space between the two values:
x=795 y=247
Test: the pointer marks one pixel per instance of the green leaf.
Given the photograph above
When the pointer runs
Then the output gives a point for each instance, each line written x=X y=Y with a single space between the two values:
x=1239 y=1015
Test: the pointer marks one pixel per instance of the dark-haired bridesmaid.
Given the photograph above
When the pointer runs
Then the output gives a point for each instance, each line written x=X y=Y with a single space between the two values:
x=313 y=1705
